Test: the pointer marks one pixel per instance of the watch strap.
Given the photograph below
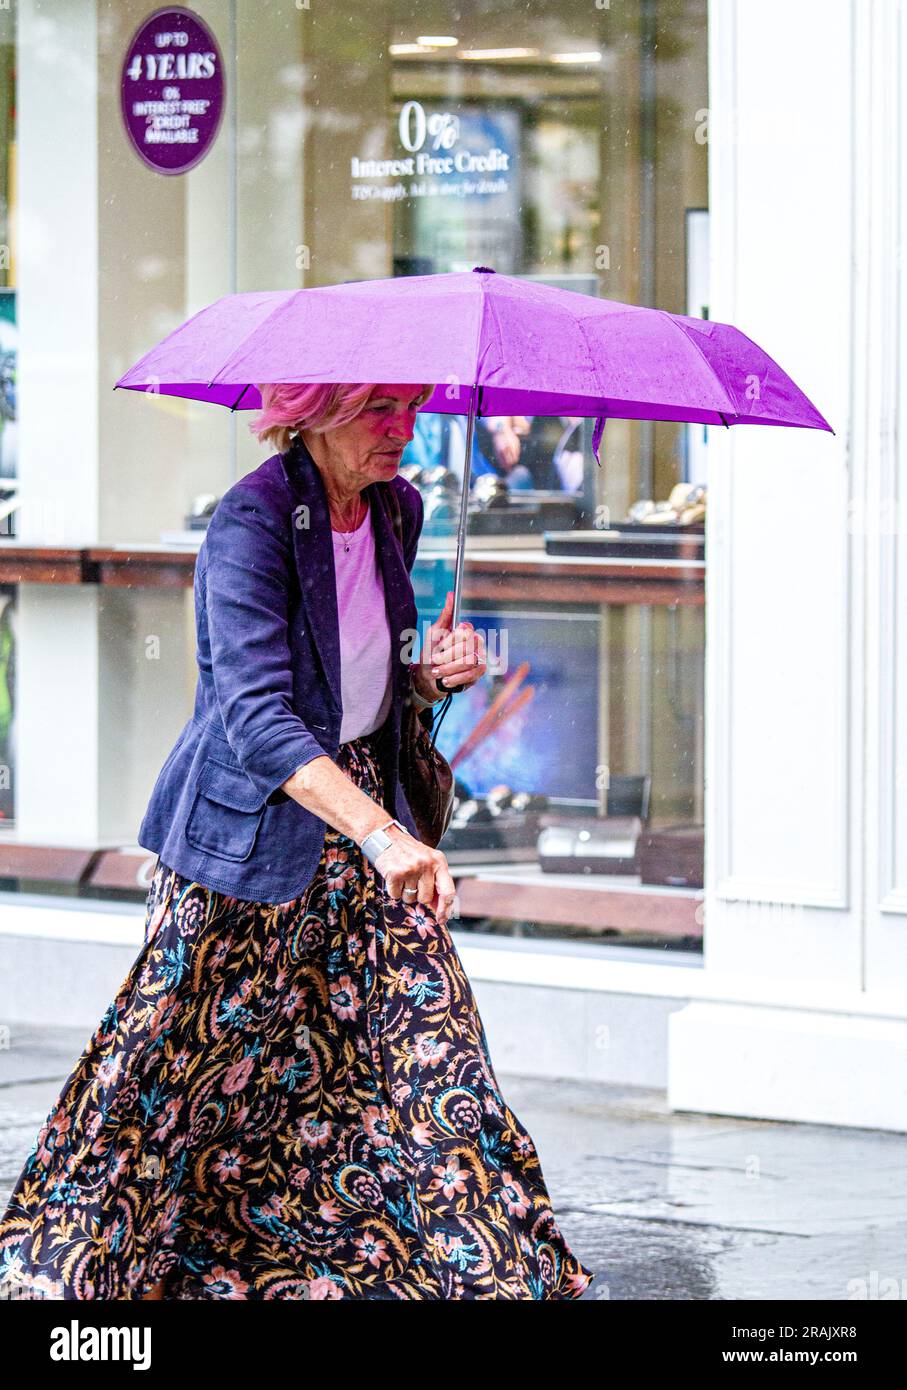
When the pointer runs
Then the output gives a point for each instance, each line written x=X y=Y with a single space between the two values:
x=378 y=840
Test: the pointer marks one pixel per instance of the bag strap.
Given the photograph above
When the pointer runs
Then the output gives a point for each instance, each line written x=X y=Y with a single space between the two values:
x=426 y=717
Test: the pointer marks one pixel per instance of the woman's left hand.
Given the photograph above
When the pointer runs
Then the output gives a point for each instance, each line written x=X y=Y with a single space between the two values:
x=456 y=656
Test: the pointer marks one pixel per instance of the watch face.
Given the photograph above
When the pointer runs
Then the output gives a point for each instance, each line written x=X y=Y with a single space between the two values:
x=377 y=841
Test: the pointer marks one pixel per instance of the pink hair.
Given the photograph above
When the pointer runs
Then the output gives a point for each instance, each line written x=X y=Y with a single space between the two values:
x=290 y=407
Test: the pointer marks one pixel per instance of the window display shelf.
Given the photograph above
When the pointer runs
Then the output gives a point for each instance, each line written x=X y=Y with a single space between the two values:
x=619 y=902
x=505 y=575
x=27 y=564
x=508 y=892
x=150 y=566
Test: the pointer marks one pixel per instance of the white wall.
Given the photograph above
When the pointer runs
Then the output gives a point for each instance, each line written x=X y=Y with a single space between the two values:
x=57 y=237
x=109 y=262
x=57 y=659
x=804 y=729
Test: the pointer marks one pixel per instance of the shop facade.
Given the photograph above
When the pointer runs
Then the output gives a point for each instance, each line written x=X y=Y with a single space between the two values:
x=661 y=152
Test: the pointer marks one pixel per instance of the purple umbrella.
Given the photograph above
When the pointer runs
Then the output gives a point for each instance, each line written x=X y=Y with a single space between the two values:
x=493 y=344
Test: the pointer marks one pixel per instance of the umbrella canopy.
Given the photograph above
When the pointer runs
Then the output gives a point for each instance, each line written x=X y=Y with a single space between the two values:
x=492 y=344
x=505 y=345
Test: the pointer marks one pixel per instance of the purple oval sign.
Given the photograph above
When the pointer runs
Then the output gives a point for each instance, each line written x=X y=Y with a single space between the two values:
x=172 y=90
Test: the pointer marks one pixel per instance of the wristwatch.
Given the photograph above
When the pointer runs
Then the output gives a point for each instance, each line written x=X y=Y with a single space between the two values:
x=378 y=840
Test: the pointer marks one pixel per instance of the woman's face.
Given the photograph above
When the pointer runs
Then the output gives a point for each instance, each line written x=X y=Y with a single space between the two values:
x=370 y=446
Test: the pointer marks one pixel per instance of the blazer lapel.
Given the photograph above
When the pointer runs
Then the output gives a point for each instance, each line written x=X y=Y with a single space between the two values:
x=314 y=553
x=398 y=593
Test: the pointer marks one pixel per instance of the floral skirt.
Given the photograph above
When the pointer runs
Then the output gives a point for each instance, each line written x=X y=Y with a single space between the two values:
x=287 y=1101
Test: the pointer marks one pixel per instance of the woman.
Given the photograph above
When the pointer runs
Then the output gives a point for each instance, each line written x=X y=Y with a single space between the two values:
x=291 y=1095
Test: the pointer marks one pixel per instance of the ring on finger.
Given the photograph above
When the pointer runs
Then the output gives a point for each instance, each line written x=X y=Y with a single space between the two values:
x=410 y=892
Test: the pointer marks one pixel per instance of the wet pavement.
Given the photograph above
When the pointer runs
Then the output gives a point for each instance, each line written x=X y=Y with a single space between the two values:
x=659 y=1204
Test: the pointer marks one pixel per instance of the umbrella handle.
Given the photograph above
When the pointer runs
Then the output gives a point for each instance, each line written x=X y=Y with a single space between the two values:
x=464 y=509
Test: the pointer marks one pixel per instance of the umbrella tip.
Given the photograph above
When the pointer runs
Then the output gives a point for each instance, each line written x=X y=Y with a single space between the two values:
x=597 y=437
x=485 y=269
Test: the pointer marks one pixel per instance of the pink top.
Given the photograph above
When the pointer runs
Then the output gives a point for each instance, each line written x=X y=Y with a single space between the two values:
x=365 y=642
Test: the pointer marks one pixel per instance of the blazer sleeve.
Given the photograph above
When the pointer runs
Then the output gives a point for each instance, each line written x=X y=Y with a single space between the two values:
x=246 y=587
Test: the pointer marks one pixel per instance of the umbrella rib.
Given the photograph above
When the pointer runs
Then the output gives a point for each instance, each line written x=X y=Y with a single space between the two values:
x=580 y=323
x=671 y=319
x=235 y=404
x=278 y=308
x=475 y=354
x=191 y=319
x=489 y=305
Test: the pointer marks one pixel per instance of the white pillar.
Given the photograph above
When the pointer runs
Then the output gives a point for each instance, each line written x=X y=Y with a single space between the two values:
x=103 y=273
x=57 y=661
x=804 y=959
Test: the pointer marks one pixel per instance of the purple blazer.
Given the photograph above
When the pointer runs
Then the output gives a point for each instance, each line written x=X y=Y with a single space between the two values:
x=268 y=692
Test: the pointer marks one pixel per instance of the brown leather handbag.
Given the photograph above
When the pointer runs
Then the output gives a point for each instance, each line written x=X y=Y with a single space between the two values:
x=425 y=774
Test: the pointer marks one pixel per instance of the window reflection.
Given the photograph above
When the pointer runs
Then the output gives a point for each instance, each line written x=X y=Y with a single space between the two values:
x=377 y=138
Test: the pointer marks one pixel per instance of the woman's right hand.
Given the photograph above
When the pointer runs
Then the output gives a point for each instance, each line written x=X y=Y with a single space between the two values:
x=408 y=863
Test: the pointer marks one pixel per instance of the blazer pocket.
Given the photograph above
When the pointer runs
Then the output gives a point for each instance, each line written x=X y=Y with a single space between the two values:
x=226 y=813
